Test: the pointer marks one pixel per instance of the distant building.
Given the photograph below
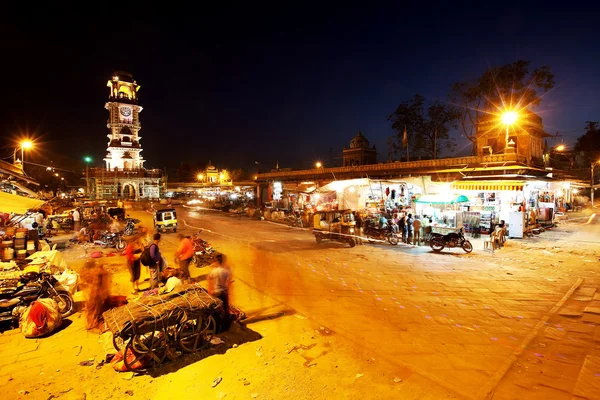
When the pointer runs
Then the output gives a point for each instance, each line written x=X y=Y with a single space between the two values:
x=212 y=176
x=525 y=137
x=359 y=152
x=124 y=176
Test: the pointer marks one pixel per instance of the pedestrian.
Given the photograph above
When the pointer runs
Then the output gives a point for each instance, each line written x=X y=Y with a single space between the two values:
x=409 y=228
x=219 y=280
x=358 y=226
x=76 y=220
x=402 y=226
x=132 y=253
x=417 y=231
x=156 y=263
x=184 y=255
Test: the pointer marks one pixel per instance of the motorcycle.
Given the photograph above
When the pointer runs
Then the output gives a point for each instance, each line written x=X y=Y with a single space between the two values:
x=201 y=248
x=14 y=300
x=371 y=231
x=130 y=225
x=453 y=239
x=109 y=239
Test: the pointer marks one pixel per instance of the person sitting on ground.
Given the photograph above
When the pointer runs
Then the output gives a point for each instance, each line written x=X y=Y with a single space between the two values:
x=176 y=280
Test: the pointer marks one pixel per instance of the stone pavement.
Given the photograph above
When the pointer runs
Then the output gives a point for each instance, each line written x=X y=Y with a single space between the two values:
x=563 y=360
x=459 y=319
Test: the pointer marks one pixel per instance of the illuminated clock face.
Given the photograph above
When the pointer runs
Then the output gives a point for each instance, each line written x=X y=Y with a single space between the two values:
x=125 y=111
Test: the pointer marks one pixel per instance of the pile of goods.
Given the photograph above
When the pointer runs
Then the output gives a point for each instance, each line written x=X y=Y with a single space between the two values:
x=155 y=327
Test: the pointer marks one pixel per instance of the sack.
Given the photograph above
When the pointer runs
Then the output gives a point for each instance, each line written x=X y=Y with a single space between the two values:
x=146 y=258
x=40 y=318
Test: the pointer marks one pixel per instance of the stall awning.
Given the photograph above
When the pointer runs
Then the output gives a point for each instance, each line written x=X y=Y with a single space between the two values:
x=489 y=186
x=17 y=204
x=441 y=199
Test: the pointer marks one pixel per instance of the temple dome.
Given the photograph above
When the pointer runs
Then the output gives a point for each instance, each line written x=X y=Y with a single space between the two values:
x=359 y=141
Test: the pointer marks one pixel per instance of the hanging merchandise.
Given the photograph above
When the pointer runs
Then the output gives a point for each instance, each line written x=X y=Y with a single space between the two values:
x=402 y=191
x=393 y=194
x=387 y=191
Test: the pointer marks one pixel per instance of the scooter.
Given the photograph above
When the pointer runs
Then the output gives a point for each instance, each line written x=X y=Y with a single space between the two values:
x=109 y=239
x=14 y=300
x=454 y=239
x=387 y=233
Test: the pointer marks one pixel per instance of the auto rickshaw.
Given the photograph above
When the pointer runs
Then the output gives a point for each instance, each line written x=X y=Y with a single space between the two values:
x=165 y=219
x=335 y=225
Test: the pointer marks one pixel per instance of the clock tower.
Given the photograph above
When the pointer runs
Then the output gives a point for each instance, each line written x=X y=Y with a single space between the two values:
x=124 y=147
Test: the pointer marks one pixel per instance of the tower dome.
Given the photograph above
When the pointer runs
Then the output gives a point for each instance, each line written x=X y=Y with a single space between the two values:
x=359 y=141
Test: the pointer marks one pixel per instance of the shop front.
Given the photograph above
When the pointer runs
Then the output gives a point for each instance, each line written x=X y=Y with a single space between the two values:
x=521 y=204
x=444 y=212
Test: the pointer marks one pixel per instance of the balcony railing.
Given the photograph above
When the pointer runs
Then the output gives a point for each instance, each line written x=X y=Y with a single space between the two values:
x=121 y=173
x=407 y=166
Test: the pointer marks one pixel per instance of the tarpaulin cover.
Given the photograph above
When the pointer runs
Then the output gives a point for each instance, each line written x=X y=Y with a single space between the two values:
x=17 y=204
x=156 y=312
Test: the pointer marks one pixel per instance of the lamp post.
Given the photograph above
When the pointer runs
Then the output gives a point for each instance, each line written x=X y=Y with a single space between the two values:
x=592 y=181
x=508 y=119
x=87 y=160
x=24 y=145
x=318 y=164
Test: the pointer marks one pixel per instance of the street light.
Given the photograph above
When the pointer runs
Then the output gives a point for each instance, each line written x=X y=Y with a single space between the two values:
x=560 y=147
x=87 y=160
x=318 y=164
x=200 y=177
x=26 y=144
x=508 y=119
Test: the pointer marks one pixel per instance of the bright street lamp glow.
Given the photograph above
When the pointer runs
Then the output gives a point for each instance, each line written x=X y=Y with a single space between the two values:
x=200 y=177
x=560 y=147
x=26 y=144
x=87 y=159
x=509 y=117
x=318 y=164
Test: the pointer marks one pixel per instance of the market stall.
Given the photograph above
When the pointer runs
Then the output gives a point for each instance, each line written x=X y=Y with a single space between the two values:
x=443 y=210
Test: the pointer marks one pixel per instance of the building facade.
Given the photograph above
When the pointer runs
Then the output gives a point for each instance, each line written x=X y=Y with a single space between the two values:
x=124 y=175
x=359 y=152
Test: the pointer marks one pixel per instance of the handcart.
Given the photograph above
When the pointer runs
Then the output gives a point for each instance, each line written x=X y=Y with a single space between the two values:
x=155 y=327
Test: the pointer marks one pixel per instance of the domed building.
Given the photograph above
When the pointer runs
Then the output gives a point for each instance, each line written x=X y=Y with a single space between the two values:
x=359 y=152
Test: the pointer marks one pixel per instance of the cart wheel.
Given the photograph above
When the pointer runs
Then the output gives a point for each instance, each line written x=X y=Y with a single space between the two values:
x=151 y=347
x=351 y=242
x=318 y=238
x=393 y=239
x=118 y=342
x=196 y=334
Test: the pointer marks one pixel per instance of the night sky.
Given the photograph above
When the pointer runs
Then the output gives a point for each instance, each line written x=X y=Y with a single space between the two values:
x=291 y=85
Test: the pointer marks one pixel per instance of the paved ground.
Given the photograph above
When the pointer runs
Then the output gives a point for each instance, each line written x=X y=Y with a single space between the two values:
x=378 y=321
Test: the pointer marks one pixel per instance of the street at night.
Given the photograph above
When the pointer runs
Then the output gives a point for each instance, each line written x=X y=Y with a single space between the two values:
x=364 y=322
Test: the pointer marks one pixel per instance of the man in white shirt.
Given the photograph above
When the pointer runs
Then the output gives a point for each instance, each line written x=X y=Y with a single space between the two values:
x=76 y=221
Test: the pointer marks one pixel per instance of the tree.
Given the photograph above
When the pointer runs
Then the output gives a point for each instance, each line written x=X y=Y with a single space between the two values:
x=237 y=175
x=427 y=130
x=589 y=142
x=511 y=86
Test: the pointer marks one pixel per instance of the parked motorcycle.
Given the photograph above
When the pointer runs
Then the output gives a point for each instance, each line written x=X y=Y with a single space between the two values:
x=14 y=300
x=454 y=239
x=201 y=248
x=372 y=231
x=109 y=239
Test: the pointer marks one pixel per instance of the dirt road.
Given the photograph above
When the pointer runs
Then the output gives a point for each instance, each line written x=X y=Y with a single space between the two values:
x=373 y=321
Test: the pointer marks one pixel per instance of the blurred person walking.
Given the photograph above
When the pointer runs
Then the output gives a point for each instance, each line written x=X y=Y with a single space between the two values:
x=219 y=281
x=156 y=263
x=184 y=255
